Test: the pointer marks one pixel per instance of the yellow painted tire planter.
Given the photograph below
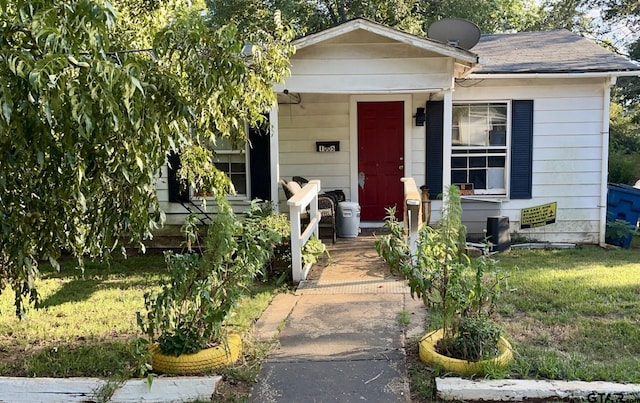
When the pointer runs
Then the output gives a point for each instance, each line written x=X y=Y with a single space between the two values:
x=208 y=359
x=428 y=354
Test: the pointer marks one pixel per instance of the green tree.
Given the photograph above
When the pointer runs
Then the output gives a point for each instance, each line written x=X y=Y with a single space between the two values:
x=628 y=88
x=87 y=121
x=621 y=18
x=616 y=11
x=563 y=14
x=309 y=16
x=492 y=16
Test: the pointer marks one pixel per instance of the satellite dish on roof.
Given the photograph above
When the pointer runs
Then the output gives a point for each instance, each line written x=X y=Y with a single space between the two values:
x=456 y=32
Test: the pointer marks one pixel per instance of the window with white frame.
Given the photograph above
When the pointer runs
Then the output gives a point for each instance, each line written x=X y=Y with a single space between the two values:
x=234 y=164
x=479 y=149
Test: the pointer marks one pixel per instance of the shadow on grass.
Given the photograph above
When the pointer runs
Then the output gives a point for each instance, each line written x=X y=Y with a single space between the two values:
x=118 y=267
x=81 y=290
x=136 y=272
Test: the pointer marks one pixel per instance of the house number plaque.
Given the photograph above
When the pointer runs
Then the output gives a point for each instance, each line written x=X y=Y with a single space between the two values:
x=327 y=146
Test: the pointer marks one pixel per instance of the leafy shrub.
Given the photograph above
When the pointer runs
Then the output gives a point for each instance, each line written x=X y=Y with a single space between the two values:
x=622 y=169
x=461 y=292
x=477 y=339
x=619 y=230
x=188 y=314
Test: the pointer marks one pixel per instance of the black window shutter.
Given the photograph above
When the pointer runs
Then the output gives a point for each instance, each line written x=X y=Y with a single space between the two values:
x=176 y=193
x=260 y=164
x=435 y=116
x=521 y=149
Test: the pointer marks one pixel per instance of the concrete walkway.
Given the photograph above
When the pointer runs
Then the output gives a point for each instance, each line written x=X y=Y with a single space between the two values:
x=340 y=338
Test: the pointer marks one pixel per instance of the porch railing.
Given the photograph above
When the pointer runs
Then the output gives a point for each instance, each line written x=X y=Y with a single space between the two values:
x=412 y=211
x=308 y=196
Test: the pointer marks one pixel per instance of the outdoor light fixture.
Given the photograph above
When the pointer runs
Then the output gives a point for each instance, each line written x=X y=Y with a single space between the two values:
x=421 y=117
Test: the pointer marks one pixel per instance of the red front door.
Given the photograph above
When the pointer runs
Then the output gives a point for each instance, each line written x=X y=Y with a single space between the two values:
x=380 y=158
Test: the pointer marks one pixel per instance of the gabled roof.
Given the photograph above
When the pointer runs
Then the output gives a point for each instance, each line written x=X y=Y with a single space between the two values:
x=375 y=28
x=543 y=52
x=547 y=52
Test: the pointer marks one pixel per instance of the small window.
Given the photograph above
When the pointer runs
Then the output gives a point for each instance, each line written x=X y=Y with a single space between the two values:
x=479 y=147
x=234 y=164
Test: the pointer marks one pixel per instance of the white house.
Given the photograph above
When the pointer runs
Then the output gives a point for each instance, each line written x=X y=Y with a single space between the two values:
x=521 y=119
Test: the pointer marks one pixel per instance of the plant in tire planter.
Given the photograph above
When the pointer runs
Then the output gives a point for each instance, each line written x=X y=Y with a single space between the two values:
x=461 y=292
x=184 y=321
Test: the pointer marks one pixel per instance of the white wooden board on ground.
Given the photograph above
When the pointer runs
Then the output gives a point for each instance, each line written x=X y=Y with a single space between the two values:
x=517 y=390
x=69 y=390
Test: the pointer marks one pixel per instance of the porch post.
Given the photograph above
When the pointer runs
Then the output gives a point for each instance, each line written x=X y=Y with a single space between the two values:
x=274 y=153
x=446 y=138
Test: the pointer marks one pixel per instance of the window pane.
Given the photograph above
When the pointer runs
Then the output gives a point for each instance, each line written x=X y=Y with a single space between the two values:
x=459 y=176
x=459 y=162
x=455 y=135
x=240 y=183
x=498 y=114
x=496 y=162
x=498 y=136
x=477 y=162
x=495 y=178
x=237 y=167
x=479 y=178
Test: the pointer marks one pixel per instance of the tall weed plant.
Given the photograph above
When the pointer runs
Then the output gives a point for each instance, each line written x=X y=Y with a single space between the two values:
x=441 y=273
x=188 y=313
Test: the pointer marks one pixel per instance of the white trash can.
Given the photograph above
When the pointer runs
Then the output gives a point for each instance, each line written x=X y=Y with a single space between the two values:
x=348 y=223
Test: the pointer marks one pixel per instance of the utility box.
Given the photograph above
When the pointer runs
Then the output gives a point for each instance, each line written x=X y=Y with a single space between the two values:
x=348 y=219
x=623 y=203
x=498 y=233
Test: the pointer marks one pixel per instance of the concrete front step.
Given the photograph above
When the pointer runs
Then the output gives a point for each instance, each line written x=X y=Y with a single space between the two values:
x=357 y=286
x=69 y=390
x=522 y=390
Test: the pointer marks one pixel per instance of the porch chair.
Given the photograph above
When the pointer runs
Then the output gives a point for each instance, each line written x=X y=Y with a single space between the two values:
x=326 y=207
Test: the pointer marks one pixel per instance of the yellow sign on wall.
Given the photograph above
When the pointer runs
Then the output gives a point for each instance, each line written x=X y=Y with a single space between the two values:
x=538 y=216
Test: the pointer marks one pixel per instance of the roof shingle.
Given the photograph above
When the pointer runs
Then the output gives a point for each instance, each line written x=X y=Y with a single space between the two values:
x=557 y=51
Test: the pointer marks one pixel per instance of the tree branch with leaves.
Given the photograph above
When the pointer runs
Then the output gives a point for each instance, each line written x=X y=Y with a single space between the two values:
x=85 y=127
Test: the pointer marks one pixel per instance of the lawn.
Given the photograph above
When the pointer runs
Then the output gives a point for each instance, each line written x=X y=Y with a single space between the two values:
x=86 y=324
x=570 y=314
x=574 y=314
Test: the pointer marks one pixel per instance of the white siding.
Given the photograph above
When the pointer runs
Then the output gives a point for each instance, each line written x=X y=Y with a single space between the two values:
x=317 y=117
x=567 y=150
x=364 y=62
x=567 y=145
x=418 y=143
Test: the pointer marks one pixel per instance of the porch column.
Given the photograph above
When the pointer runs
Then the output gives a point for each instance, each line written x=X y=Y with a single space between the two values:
x=446 y=138
x=274 y=153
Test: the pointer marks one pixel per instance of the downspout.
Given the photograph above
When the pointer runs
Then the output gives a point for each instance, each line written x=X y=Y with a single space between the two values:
x=604 y=160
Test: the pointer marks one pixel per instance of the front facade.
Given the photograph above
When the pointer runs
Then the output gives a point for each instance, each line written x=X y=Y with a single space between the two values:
x=521 y=121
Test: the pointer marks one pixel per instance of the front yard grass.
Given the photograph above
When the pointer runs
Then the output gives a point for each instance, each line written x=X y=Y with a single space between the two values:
x=86 y=325
x=571 y=315
x=574 y=314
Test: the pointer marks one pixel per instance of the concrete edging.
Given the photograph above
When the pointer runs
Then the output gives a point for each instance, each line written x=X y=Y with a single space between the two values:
x=518 y=390
x=68 y=390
